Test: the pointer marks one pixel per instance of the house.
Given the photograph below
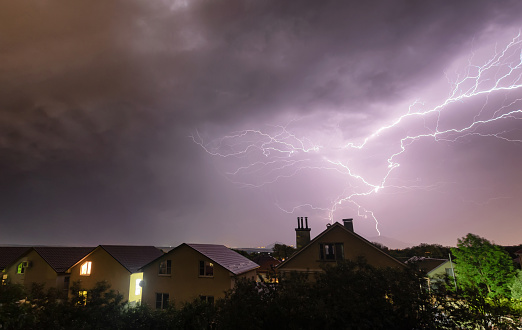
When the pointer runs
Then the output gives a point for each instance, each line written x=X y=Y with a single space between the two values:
x=518 y=258
x=266 y=270
x=8 y=255
x=44 y=264
x=192 y=271
x=118 y=265
x=435 y=269
x=336 y=243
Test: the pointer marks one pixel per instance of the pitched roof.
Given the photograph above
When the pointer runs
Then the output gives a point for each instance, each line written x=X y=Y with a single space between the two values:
x=9 y=254
x=266 y=262
x=132 y=257
x=225 y=257
x=426 y=264
x=61 y=258
x=327 y=230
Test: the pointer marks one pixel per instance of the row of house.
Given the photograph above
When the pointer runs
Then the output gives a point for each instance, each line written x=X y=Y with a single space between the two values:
x=190 y=271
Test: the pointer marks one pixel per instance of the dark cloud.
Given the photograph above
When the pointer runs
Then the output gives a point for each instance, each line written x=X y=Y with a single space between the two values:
x=99 y=100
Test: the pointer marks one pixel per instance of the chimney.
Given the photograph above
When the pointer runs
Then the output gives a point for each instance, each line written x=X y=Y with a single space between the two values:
x=348 y=224
x=302 y=233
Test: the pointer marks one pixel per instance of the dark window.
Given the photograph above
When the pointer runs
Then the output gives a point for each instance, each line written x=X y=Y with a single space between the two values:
x=206 y=268
x=162 y=300
x=331 y=251
x=208 y=299
x=164 y=267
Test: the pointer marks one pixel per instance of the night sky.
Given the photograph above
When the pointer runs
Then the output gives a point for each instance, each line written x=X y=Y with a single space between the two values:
x=162 y=122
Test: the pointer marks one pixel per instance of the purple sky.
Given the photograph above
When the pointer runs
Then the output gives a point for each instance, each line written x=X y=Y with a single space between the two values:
x=162 y=122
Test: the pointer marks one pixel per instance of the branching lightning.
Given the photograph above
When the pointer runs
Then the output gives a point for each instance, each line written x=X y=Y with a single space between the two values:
x=269 y=156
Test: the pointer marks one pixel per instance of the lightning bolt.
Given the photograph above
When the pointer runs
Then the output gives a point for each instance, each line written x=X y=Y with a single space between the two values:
x=268 y=156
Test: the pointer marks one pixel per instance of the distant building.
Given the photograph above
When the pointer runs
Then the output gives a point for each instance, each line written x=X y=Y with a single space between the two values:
x=266 y=271
x=118 y=265
x=435 y=269
x=336 y=243
x=518 y=259
x=194 y=271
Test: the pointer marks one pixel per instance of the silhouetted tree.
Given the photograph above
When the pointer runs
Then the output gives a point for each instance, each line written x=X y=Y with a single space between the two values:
x=282 y=251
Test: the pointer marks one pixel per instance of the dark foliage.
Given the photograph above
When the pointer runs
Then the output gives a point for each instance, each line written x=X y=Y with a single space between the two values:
x=348 y=295
x=282 y=251
x=422 y=250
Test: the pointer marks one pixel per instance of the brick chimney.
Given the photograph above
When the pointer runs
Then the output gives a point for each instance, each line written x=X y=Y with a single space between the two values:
x=302 y=233
x=348 y=224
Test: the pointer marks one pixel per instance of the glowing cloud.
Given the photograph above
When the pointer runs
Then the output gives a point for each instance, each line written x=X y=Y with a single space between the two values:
x=481 y=103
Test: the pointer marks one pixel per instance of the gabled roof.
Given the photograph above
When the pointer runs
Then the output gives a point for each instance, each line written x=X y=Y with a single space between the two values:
x=133 y=257
x=225 y=257
x=327 y=230
x=426 y=264
x=9 y=254
x=61 y=258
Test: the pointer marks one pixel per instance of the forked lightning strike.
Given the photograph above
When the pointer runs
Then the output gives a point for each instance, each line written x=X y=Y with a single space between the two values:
x=274 y=155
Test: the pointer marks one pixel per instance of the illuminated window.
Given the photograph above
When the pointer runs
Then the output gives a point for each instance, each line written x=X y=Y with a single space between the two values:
x=162 y=300
x=137 y=291
x=22 y=267
x=4 y=279
x=164 y=267
x=86 y=268
x=206 y=269
x=82 y=297
x=331 y=251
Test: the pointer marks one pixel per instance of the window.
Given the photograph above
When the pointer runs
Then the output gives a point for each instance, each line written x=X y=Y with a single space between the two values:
x=162 y=300
x=82 y=297
x=208 y=299
x=331 y=251
x=206 y=269
x=86 y=268
x=21 y=268
x=4 y=279
x=165 y=267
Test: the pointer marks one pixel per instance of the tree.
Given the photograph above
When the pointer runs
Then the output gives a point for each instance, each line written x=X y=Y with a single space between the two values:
x=483 y=266
x=516 y=286
x=282 y=251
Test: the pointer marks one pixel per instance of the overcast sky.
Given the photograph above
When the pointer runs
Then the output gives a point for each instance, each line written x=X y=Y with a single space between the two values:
x=163 y=122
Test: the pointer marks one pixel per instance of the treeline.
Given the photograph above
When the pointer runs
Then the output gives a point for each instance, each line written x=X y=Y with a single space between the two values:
x=350 y=295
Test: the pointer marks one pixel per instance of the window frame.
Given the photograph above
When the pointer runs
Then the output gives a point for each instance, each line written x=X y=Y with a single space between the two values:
x=331 y=251
x=21 y=268
x=208 y=299
x=162 y=300
x=165 y=265
x=204 y=266
x=88 y=268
